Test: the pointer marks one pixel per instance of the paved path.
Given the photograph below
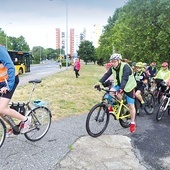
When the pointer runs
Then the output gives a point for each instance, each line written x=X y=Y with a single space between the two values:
x=67 y=146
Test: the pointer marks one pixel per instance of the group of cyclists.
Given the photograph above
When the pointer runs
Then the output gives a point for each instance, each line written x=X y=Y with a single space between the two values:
x=131 y=79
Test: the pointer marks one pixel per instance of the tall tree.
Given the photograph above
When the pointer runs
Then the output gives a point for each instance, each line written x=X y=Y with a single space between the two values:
x=87 y=52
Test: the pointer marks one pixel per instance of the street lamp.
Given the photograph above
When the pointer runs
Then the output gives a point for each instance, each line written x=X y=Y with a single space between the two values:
x=66 y=51
x=6 y=38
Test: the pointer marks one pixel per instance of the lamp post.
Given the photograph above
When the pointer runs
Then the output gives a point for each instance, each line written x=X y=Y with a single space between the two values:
x=6 y=38
x=66 y=48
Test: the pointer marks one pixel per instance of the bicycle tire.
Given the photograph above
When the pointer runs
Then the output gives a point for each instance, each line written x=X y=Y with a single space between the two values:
x=125 y=122
x=97 y=120
x=160 y=111
x=149 y=103
x=40 y=123
x=2 y=132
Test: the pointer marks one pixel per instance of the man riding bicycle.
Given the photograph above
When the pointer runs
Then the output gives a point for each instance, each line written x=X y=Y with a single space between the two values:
x=124 y=81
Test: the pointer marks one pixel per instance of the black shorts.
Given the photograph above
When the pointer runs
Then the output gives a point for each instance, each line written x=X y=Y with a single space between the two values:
x=9 y=94
x=140 y=86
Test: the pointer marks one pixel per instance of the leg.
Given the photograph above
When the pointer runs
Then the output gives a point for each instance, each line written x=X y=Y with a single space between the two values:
x=130 y=98
x=76 y=72
x=132 y=112
x=5 y=110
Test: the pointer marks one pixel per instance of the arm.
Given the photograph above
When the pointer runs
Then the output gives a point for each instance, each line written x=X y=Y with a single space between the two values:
x=106 y=76
x=7 y=62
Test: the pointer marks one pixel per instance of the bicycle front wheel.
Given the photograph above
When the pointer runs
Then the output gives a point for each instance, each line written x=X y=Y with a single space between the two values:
x=2 y=132
x=97 y=120
x=149 y=103
x=40 y=123
x=161 y=110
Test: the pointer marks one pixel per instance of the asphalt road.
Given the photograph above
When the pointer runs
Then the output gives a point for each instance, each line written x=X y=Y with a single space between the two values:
x=150 y=142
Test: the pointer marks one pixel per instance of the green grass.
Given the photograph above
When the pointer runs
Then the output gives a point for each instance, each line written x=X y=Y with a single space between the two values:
x=66 y=94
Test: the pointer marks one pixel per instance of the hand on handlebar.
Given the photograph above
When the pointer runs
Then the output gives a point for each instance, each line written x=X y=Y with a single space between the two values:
x=4 y=90
x=97 y=86
x=119 y=94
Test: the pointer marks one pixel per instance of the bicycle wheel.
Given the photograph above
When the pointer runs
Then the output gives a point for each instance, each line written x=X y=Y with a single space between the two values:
x=149 y=103
x=161 y=110
x=2 y=132
x=125 y=122
x=97 y=120
x=40 y=123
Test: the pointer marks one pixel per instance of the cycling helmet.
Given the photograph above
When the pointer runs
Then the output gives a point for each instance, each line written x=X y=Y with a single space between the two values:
x=164 y=64
x=153 y=63
x=108 y=65
x=116 y=57
x=139 y=64
x=134 y=64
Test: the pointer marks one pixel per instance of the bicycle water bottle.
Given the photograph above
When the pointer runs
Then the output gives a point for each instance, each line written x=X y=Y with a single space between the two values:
x=12 y=123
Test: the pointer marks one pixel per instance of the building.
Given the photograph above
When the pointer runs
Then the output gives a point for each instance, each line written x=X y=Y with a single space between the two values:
x=72 y=41
x=58 y=38
x=75 y=38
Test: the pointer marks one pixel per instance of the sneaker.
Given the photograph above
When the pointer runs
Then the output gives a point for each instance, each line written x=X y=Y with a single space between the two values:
x=132 y=127
x=25 y=125
x=110 y=109
x=9 y=133
x=142 y=106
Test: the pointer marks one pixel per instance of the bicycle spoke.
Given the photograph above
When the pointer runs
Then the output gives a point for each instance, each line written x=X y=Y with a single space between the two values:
x=97 y=120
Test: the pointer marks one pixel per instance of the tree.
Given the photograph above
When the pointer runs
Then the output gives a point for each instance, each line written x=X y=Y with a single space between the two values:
x=2 y=37
x=87 y=52
x=139 y=31
x=18 y=44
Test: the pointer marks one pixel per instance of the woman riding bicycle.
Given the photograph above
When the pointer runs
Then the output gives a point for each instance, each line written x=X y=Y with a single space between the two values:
x=7 y=88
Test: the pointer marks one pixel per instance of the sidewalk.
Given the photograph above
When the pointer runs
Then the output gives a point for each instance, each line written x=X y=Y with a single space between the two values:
x=107 y=152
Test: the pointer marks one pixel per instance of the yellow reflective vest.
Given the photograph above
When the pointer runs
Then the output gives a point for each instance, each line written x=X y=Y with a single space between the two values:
x=131 y=83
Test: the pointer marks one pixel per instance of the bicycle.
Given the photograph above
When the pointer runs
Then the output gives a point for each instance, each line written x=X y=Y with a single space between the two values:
x=164 y=105
x=99 y=115
x=149 y=100
x=157 y=92
x=40 y=123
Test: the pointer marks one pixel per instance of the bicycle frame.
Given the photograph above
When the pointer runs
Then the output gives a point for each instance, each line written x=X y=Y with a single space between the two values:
x=117 y=108
x=167 y=103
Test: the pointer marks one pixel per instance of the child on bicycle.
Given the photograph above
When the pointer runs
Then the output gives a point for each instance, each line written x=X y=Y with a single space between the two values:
x=8 y=83
x=142 y=80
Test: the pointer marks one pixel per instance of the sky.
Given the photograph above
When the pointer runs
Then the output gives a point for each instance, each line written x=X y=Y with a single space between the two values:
x=37 y=20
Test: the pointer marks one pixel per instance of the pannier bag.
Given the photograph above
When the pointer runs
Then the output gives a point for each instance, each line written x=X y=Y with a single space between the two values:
x=19 y=107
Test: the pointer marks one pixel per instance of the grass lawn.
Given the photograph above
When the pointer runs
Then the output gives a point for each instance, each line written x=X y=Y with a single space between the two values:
x=66 y=94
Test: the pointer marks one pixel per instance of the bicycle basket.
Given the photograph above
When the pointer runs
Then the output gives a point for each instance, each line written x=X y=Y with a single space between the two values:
x=19 y=107
x=38 y=103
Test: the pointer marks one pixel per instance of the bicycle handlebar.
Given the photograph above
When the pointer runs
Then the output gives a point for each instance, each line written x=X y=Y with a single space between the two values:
x=106 y=90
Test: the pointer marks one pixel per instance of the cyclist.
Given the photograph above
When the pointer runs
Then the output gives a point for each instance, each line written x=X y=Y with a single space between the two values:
x=163 y=74
x=134 y=67
x=8 y=84
x=152 y=69
x=124 y=81
x=142 y=80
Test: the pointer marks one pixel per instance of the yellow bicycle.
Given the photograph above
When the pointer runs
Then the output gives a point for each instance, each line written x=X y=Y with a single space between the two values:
x=99 y=115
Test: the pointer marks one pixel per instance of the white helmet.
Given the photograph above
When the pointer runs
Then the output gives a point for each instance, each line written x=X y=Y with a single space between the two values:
x=116 y=57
